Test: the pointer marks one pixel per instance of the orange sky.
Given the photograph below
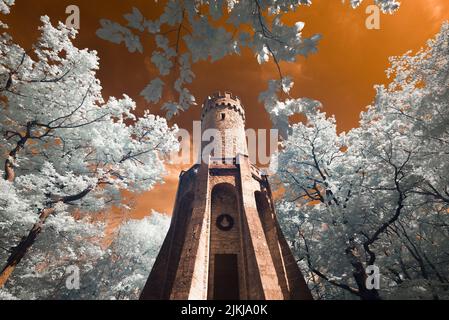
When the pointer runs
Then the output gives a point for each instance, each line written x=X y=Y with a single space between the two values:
x=351 y=59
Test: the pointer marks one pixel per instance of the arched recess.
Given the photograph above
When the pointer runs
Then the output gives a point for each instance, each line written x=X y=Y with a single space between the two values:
x=180 y=225
x=224 y=276
x=224 y=200
x=263 y=207
x=269 y=227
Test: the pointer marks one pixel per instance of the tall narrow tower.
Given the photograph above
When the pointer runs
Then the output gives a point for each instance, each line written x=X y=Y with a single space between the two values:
x=224 y=241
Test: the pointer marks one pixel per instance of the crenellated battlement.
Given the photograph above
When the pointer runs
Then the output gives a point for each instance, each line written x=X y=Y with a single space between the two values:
x=227 y=100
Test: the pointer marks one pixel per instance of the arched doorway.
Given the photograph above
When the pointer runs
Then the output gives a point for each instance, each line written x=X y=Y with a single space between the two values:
x=224 y=276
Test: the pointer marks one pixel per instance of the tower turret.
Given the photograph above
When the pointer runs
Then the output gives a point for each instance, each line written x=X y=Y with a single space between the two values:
x=223 y=118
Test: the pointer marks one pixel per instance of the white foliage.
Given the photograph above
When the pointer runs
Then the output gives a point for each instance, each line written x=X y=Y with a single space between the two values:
x=72 y=152
x=153 y=91
x=200 y=38
x=123 y=270
x=378 y=194
x=116 y=33
x=5 y=295
x=280 y=111
x=5 y=6
x=200 y=35
x=387 y=6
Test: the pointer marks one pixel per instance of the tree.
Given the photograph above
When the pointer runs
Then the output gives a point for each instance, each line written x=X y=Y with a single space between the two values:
x=67 y=245
x=377 y=195
x=123 y=269
x=136 y=246
x=111 y=271
x=66 y=148
x=191 y=31
x=70 y=152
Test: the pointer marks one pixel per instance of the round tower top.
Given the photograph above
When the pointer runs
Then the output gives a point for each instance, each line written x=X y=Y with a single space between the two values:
x=227 y=100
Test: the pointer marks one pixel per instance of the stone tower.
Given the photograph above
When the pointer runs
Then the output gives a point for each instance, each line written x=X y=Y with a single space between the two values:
x=224 y=240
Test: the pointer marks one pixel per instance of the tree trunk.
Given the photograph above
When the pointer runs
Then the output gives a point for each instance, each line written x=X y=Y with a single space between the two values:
x=360 y=277
x=364 y=292
x=12 y=156
x=21 y=249
x=9 y=170
x=10 y=174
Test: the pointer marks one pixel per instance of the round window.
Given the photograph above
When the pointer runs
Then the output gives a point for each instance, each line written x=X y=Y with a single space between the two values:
x=225 y=222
